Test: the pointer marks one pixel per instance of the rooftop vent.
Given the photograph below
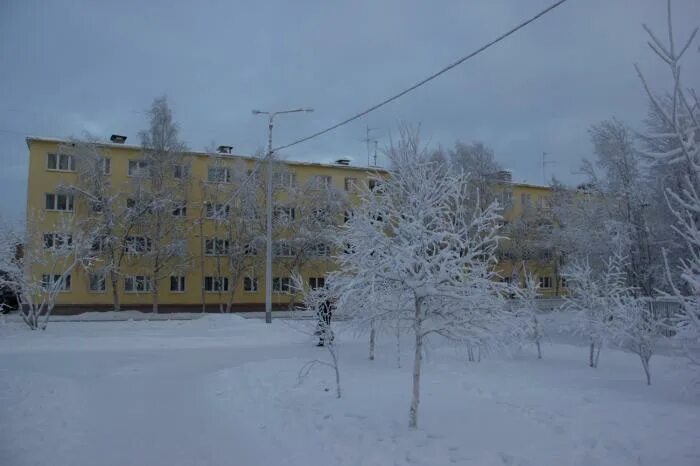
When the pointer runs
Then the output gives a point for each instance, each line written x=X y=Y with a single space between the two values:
x=225 y=150
x=505 y=176
x=345 y=162
x=118 y=139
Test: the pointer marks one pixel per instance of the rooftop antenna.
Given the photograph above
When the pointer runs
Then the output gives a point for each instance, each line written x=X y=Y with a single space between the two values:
x=367 y=139
x=375 y=152
x=546 y=162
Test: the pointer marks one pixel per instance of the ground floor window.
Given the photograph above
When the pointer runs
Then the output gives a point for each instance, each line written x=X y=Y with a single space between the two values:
x=317 y=282
x=58 y=280
x=137 y=283
x=97 y=282
x=215 y=284
x=250 y=284
x=177 y=283
x=545 y=282
x=281 y=284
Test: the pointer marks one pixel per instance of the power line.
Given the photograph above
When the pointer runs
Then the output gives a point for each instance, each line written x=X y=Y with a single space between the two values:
x=426 y=80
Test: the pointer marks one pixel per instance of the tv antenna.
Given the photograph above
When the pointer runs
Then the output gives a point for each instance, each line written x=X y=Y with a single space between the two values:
x=545 y=162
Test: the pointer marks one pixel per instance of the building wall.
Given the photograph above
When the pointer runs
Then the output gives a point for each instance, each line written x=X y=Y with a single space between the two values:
x=42 y=180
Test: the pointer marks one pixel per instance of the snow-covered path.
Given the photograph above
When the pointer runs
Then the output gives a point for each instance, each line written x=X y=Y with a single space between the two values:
x=224 y=391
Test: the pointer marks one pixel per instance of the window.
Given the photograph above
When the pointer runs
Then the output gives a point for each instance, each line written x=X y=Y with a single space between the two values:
x=217 y=211
x=372 y=184
x=137 y=283
x=250 y=284
x=97 y=283
x=320 y=215
x=351 y=184
x=563 y=282
x=58 y=240
x=284 y=179
x=525 y=199
x=137 y=244
x=317 y=282
x=177 y=283
x=215 y=284
x=138 y=168
x=507 y=198
x=99 y=244
x=57 y=282
x=322 y=181
x=180 y=209
x=216 y=247
x=179 y=171
x=320 y=250
x=284 y=214
x=61 y=202
x=61 y=162
x=219 y=175
x=283 y=249
x=544 y=203
x=545 y=282
x=281 y=284
x=348 y=215
x=104 y=164
x=250 y=250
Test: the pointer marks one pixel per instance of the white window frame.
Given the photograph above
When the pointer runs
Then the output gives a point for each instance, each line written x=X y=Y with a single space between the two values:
x=100 y=279
x=180 y=209
x=284 y=214
x=322 y=181
x=283 y=248
x=214 y=174
x=137 y=281
x=216 y=247
x=66 y=239
x=317 y=282
x=58 y=158
x=69 y=202
x=545 y=282
x=104 y=164
x=281 y=285
x=214 y=284
x=180 y=171
x=214 y=211
x=250 y=284
x=180 y=283
x=138 y=244
x=351 y=184
x=47 y=281
x=320 y=250
x=138 y=168
x=284 y=179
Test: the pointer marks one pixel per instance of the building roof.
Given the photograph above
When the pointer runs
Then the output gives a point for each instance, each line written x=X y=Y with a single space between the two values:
x=111 y=145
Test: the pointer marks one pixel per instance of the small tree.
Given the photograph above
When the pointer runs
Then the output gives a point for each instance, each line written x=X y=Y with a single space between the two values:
x=419 y=235
x=44 y=267
x=528 y=310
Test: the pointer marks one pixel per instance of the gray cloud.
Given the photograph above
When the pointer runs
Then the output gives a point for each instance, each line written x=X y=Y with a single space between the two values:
x=82 y=65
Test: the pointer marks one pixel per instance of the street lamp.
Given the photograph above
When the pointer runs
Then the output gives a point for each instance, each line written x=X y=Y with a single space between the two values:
x=268 y=259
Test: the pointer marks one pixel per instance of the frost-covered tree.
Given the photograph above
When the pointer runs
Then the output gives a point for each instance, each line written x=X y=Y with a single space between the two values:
x=160 y=190
x=38 y=265
x=479 y=161
x=592 y=297
x=421 y=235
x=529 y=311
x=678 y=112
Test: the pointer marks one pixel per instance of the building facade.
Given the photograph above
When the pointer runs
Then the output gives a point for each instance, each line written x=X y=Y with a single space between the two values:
x=210 y=222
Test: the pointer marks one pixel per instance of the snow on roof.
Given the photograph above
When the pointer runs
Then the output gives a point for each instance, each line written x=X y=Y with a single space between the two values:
x=112 y=145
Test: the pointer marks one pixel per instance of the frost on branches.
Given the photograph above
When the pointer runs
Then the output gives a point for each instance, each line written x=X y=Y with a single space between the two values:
x=678 y=144
x=37 y=265
x=528 y=310
x=418 y=234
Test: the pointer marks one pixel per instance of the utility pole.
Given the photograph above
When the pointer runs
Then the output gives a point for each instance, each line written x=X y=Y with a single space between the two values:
x=268 y=256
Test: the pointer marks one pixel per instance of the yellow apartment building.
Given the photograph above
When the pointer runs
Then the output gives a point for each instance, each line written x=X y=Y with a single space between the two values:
x=202 y=282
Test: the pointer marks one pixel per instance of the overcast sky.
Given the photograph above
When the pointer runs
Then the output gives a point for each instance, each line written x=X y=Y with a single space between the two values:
x=67 y=67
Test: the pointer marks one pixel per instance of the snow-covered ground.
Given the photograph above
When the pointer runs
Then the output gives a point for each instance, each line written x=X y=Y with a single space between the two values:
x=223 y=390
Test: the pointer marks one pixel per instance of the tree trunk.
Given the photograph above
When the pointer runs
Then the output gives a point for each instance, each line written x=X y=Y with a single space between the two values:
x=645 y=364
x=417 y=359
x=597 y=354
x=591 y=355
x=371 y=340
x=154 y=295
x=398 y=343
x=334 y=356
x=114 y=279
x=539 y=349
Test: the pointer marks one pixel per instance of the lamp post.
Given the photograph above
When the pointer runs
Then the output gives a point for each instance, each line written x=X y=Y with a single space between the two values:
x=268 y=259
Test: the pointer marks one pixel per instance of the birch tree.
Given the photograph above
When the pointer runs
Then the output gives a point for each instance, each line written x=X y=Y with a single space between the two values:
x=679 y=145
x=46 y=264
x=528 y=310
x=423 y=236
x=162 y=188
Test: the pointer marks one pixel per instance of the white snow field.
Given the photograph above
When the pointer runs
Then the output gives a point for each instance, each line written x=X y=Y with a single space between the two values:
x=223 y=390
